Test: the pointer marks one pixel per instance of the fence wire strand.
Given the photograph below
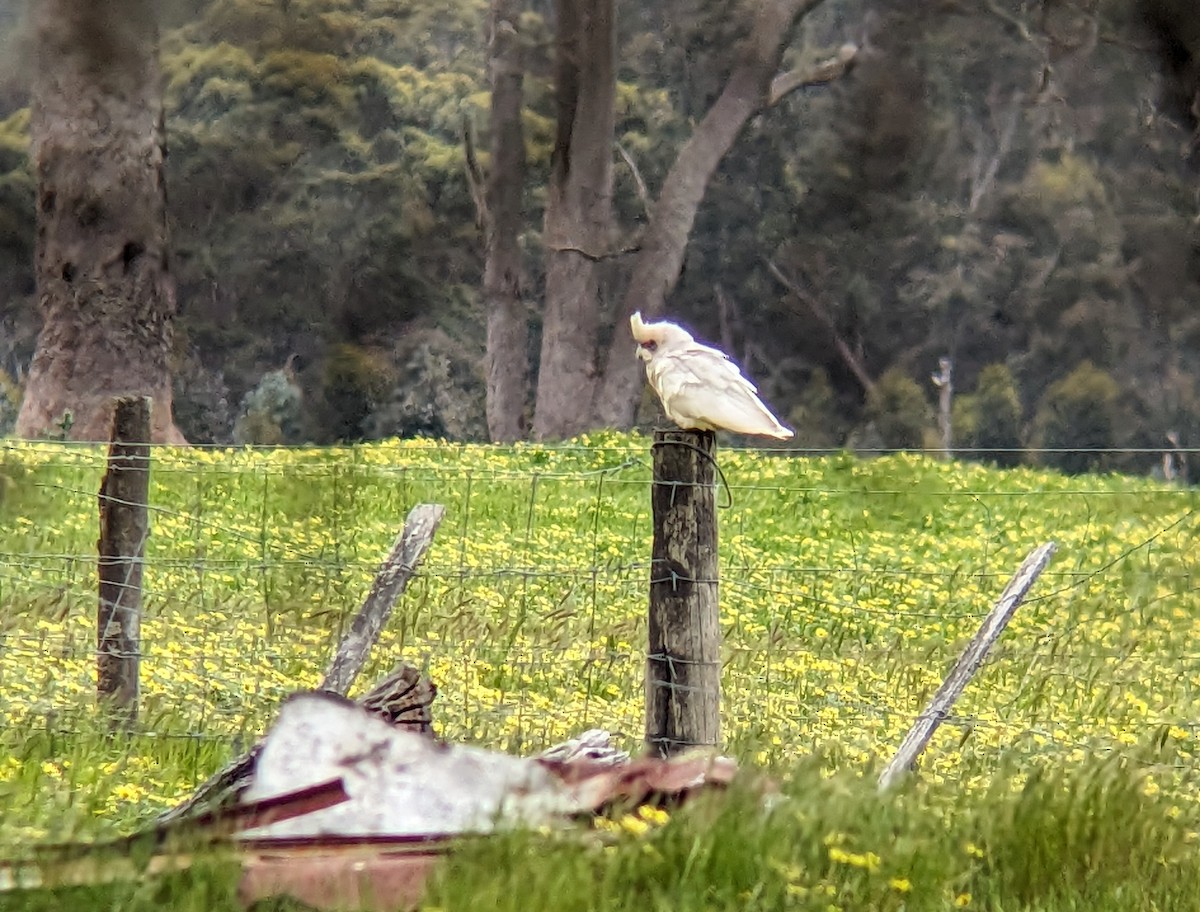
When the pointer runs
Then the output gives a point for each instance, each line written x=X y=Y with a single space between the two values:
x=529 y=612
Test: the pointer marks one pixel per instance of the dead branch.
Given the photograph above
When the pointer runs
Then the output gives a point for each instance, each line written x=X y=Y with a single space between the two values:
x=590 y=255
x=985 y=167
x=725 y=316
x=818 y=310
x=826 y=71
x=638 y=181
x=968 y=663
x=476 y=180
x=1006 y=16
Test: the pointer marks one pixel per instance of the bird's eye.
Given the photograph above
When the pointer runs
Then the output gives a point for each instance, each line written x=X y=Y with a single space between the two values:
x=650 y=346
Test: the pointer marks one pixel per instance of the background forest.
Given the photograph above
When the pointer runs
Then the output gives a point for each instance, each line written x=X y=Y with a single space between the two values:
x=1011 y=184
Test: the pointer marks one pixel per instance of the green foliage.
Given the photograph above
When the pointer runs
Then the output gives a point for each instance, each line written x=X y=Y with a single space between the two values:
x=201 y=400
x=1078 y=414
x=354 y=382
x=818 y=416
x=271 y=411
x=16 y=212
x=1070 y=181
x=437 y=392
x=317 y=197
x=10 y=403
x=899 y=411
x=317 y=188
x=989 y=421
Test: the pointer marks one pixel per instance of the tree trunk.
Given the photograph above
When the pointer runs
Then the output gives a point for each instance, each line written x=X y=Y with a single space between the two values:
x=103 y=284
x=507 y=322
x=656 y=269
x=578 y=217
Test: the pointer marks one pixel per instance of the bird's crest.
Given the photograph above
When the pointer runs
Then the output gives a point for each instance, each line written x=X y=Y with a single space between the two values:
x=650 y=336
x=639 y=327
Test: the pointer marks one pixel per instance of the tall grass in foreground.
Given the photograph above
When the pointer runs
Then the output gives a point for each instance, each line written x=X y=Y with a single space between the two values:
x=1046 y=839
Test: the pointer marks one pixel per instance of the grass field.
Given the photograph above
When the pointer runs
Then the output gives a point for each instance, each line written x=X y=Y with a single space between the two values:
x=848 y=588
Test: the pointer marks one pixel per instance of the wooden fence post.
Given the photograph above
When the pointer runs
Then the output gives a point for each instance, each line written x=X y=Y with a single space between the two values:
x=123 y=530
x=968 y=663
x=393 y=576
x=683 y=664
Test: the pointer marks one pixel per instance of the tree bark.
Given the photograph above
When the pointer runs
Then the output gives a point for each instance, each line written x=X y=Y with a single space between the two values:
x=507 y=322
x=657 y=267
x=578 y=219
x=104 y=288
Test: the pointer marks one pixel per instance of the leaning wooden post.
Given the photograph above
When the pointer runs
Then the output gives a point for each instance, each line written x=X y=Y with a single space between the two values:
x=123 y=530
x=393 y=576
x=683 y=665
x=968 y=663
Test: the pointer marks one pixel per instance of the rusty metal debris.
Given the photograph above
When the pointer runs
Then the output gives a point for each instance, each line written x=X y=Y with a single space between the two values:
x=343 y=809
x=410 y=799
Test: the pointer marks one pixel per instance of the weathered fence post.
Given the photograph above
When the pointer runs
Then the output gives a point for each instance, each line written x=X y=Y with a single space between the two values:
x=123 y=530
x=683 y=664
x=393 y=576
x=968 y=663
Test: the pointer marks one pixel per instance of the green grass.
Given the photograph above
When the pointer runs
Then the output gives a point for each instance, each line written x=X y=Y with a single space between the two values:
x=848 y=588
x=1087 y=838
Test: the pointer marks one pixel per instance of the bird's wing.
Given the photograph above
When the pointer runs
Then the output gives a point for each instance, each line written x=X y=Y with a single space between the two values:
x=700 y=387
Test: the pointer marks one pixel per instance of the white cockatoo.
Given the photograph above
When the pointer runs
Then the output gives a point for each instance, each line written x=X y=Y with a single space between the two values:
x=699 y=386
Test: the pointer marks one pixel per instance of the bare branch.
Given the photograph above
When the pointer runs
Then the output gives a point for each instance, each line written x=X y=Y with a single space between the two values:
x=725 y=315
x=638 y=181
x=824 y=72
x=821 y=312
x=590 y=255
x=984 y=167
x=1021 y=27
x=476 y=179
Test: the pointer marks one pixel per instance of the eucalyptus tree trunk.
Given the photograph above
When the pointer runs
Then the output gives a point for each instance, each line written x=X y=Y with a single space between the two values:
x=507 y=321
x=578 y=220
x=658 y=263
x=104 y=288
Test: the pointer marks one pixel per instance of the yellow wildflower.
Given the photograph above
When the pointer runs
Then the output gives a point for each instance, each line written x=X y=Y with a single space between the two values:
x=867 y=860
x=652 y=815
x=634 y=826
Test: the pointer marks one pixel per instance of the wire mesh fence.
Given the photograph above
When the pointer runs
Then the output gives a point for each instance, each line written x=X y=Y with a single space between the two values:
x=848 y=588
